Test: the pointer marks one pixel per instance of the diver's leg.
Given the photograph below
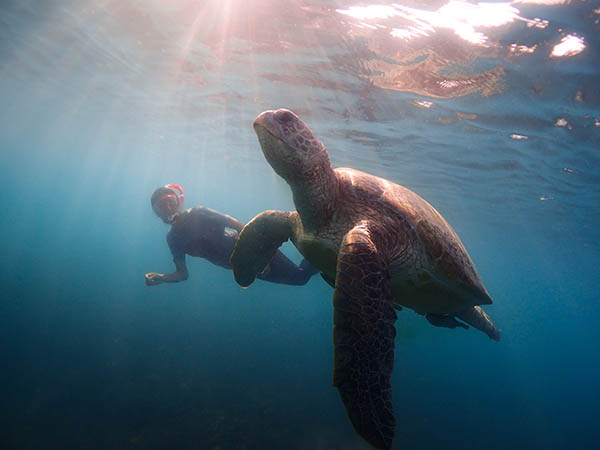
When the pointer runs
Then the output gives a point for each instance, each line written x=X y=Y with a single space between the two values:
x=283 y=271
x=444 y=320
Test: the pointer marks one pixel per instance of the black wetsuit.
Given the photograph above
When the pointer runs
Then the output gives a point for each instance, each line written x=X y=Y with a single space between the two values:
x=211 y=235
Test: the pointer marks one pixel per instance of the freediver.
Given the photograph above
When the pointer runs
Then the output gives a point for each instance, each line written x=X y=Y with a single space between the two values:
x=209 y=234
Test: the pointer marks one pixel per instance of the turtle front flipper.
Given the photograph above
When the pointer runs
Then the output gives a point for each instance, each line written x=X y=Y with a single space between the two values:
x=330 y=281
x=363 y=336
x=257 y=243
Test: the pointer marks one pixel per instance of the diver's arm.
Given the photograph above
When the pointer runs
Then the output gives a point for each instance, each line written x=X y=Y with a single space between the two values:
x=180 y=274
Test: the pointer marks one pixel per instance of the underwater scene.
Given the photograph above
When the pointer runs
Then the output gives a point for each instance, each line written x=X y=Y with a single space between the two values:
x=118 y=116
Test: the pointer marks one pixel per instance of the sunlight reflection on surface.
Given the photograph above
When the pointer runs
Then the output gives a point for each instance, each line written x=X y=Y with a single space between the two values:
x=521 y=49
x=542 y=2
x=570 y=45
x=461 y=17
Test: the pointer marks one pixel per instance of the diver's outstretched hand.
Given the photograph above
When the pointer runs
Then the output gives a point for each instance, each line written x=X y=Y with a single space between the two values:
x=153 y=278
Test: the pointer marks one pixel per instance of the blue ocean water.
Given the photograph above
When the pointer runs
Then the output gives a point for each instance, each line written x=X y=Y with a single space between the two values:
x=490 y=111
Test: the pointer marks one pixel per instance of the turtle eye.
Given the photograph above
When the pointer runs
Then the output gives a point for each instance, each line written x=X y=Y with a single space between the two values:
x=284 y=116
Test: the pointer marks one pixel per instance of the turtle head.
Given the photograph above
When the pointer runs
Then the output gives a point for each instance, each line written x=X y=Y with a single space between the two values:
x=300 y=159
x=288 y=145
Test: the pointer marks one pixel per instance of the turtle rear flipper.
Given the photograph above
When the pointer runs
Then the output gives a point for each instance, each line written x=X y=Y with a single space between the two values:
x=363 y=336
x=477 y=318
x=257 y=244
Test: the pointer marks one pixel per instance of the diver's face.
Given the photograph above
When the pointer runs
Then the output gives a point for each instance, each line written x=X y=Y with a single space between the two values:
x=166 y=207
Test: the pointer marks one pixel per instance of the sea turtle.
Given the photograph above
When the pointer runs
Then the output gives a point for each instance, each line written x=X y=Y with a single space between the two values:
x=380 y=245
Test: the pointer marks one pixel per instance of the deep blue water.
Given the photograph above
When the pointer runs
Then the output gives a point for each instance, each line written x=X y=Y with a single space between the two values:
x=104 y=101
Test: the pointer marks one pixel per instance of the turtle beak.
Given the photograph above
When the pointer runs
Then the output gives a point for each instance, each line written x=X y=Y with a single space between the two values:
x=276 y=122
x=265 y=120
x=269 y=133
